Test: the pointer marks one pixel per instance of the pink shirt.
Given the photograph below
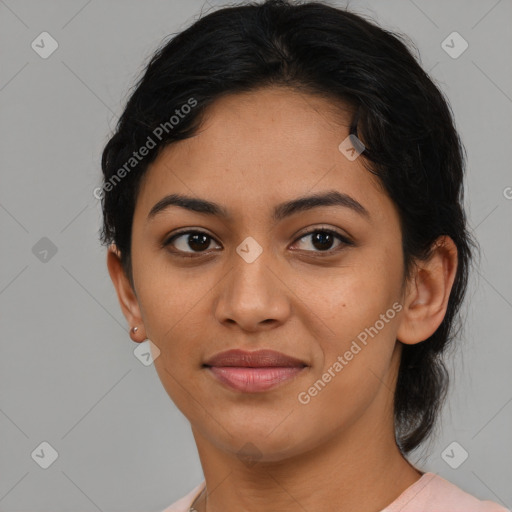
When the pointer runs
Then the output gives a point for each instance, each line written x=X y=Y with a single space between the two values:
x=431 y=493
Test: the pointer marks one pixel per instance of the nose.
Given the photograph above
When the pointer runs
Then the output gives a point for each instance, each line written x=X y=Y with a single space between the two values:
x=253 y=295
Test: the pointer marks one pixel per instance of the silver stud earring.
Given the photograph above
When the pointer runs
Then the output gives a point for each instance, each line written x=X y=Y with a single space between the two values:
x=134 y=329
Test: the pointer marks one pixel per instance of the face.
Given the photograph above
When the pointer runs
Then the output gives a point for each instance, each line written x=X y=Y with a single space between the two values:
x=321 y=283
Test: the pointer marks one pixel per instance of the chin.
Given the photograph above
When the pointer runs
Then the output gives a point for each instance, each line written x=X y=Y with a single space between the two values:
x=264 y=442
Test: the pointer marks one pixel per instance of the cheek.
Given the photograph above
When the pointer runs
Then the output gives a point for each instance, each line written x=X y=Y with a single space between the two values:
x=176 y=306
x=166 y=294
x=355 y=365
x=359 y=306
x=351 y=297
x=173 y=315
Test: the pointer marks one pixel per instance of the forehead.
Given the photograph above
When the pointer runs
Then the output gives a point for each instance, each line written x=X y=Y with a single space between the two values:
x=262 y=147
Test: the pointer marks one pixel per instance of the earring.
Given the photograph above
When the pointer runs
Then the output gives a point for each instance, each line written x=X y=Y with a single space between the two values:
x=134 y=329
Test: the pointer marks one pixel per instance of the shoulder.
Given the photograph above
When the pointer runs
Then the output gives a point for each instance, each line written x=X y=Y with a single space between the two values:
x=183 y=504
x=433 y=493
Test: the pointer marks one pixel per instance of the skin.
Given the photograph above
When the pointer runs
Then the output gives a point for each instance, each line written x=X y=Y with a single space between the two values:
x=254 y=151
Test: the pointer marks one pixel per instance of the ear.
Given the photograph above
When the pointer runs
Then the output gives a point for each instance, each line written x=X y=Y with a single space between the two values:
x=125 y=294
x=428 y=291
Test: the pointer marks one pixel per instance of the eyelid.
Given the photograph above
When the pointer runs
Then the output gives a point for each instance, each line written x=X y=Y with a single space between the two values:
x=313 y=229
x=186 y=231
x=345 y=239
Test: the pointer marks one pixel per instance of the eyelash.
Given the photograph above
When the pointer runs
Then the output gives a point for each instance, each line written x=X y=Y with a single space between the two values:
x=344 y=242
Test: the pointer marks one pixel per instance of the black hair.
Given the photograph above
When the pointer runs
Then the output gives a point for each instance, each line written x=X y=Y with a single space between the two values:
x=400 y=115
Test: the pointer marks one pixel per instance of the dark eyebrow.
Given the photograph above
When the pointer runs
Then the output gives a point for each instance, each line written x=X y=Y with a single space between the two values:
x=281 y=211
x=329 y=198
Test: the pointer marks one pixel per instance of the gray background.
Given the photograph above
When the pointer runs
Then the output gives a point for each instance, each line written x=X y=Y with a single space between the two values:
x=67 y=370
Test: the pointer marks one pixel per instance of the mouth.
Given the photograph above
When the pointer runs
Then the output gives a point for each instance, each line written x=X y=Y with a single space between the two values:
x=253 y=372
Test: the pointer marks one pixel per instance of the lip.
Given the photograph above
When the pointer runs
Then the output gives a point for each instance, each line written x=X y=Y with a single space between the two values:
x=255 y=359
x=253 y=372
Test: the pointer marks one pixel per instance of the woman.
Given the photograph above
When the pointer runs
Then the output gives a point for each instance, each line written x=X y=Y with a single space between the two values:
x=283 y=205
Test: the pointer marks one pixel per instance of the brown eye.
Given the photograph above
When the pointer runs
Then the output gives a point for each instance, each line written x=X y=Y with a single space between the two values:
x=322 y=240
x=197 y=241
